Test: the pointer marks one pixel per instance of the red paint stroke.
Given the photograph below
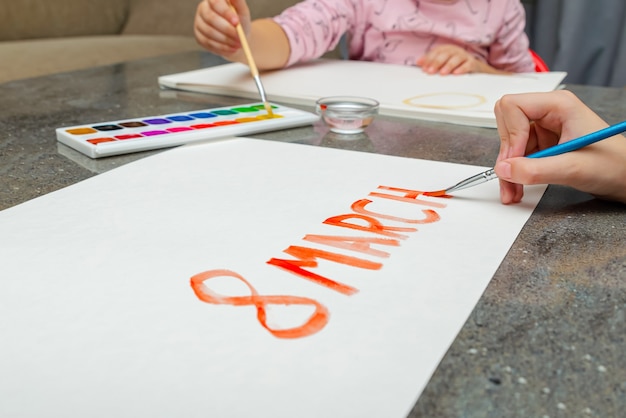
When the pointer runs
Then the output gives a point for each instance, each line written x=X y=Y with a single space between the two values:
x=314 y=324
x=410 y=196
x=359 y=207
x=307 y=258
x=373 y=225
x=358 y=244
x=438 y=193
x=361 y=220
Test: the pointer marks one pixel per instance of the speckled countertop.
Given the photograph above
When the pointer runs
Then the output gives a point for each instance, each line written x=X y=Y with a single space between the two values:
x=548 y=336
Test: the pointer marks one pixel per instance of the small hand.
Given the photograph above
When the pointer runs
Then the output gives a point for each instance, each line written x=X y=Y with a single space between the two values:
x=215 y=25
x=449 y=59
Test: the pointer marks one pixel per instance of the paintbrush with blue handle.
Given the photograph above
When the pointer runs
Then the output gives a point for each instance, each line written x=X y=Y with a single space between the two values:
x=573 y=145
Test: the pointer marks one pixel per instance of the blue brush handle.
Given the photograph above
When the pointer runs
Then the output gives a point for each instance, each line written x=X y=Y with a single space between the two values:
x=583 y=141
x=568 y=146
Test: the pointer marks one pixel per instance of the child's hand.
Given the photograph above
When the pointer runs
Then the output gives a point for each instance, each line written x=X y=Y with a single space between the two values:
x=215 y=25
x=449 y=59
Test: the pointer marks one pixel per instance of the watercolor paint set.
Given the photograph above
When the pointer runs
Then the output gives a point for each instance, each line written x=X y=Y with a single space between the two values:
x=153 y=132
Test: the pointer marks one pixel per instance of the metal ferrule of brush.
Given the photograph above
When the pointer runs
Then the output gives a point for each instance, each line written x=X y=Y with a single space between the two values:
x=474 y=180
x=259 y=86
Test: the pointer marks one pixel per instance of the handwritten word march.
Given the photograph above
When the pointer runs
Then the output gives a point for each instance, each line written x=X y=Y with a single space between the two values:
x=378 y=233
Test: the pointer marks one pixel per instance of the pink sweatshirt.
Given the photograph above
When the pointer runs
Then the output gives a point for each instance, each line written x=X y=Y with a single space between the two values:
x=401 y=31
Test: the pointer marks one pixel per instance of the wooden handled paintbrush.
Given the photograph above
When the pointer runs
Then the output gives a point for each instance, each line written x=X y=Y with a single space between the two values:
x=253 y=69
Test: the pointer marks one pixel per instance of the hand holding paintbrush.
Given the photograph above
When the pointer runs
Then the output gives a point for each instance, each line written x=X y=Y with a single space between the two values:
x=552 y=129
x=253 y=68
x=215 y=29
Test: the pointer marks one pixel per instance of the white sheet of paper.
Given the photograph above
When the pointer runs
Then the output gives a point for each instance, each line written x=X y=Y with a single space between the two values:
x=402 y=90
x=98 y=317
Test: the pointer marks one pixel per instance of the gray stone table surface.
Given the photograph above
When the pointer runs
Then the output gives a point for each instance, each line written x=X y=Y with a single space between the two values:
x=546 y=339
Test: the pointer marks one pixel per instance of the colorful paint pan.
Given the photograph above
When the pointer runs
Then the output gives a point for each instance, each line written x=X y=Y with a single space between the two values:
x=153 y=132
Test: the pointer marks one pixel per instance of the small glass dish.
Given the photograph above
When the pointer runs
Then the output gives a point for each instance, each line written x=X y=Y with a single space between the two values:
x=347 y=114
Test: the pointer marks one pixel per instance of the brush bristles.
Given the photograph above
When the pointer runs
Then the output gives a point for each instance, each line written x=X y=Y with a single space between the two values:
x=437 y=193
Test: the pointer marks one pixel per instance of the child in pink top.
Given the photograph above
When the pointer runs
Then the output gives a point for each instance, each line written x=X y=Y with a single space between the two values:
x=441 y=36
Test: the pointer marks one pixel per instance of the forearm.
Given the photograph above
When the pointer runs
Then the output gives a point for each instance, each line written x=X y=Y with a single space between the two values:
x=268 y=44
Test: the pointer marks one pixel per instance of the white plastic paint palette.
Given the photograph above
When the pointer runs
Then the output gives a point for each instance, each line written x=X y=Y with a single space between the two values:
x=153 y=132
